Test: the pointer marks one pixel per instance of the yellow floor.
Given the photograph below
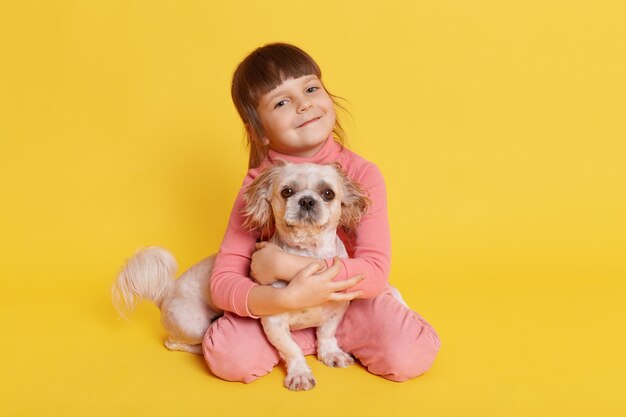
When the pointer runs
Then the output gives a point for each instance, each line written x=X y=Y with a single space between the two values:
x=499 y=129
x=525 y=347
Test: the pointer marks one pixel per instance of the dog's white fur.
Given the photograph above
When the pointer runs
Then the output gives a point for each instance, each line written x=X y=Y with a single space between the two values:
x=186 y=306
x=304 y=220
x=306 y=203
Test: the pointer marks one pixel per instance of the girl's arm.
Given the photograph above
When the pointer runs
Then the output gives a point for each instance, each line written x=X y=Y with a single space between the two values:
x=372 y=248
x=310 y=287
x=233 y=290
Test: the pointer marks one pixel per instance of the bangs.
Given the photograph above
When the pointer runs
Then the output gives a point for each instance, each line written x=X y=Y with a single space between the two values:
x=268 y=67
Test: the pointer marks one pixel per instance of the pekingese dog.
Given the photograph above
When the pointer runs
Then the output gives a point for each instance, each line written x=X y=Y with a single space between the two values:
x=302 y=205
x=305 y=204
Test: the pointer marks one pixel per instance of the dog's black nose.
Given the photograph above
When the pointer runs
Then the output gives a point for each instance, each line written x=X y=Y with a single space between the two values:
x=307 y=203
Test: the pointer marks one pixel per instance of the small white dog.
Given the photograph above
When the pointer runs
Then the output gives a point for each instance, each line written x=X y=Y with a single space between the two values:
x=303 y=204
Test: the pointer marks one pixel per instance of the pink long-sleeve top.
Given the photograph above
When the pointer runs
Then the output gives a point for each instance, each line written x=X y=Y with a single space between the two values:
x=369 y=253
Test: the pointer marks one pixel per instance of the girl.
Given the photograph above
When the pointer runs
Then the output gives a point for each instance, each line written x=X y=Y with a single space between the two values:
x=289 y=115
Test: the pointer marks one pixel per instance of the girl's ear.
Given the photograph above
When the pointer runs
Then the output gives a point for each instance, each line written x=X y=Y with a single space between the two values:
x=354 y=204
x=257 y=210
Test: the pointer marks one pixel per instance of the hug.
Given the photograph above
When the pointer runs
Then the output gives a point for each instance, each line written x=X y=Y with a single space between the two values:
x=304 y=264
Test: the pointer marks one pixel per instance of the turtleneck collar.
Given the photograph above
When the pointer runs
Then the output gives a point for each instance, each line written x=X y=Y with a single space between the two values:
x=326 y=155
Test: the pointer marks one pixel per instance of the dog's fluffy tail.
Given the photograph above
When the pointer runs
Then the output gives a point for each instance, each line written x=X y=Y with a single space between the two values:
x=148 y=275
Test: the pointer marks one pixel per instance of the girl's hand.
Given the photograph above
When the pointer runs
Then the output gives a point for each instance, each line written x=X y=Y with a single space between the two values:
x=270 y=264
x=313 y=286
x=263 y=267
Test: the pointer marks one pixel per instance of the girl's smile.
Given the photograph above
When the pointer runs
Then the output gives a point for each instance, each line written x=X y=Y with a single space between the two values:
x=313 y=120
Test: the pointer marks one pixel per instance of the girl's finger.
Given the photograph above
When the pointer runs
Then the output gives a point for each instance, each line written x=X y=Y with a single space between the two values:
x=312 y=269
x=348 y=283
x=331 y=272
x=261 y=245
x=345 y=296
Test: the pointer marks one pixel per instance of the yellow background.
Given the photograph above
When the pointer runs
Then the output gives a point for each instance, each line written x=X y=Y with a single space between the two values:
x=499 y=127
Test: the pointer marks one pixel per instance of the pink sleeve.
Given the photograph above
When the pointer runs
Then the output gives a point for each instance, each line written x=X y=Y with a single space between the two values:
x=230 y=283
x=372 y=246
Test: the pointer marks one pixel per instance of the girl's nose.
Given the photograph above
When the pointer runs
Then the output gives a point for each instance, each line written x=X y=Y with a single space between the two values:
x=304 y=106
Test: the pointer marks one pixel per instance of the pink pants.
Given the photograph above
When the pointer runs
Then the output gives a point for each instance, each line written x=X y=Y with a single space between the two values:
x=389 y=339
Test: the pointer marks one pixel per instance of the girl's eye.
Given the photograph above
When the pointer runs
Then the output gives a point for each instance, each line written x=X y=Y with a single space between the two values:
x=280 y=103
x=286 y=192
x=312 y=89
x=328 y=195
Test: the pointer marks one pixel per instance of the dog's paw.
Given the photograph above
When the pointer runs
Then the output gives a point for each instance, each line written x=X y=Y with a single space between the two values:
x=299 y=381
x=183 y=347
x=335 y=358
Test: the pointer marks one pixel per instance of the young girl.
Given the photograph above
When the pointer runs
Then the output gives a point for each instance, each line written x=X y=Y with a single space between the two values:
x=289 y=115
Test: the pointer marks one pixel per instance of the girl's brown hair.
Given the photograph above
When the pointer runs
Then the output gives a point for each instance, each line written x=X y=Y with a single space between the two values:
x=259 y=73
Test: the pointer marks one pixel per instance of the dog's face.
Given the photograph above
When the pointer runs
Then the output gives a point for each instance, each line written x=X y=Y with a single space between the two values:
x=303 y=198
x=306 y=197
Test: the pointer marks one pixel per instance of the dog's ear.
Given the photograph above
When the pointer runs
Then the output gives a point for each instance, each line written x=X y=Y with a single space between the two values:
x=257 y=211
x=354 y=204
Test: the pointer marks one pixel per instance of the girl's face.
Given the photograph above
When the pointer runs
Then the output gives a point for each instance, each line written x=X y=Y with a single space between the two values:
x=297 y=116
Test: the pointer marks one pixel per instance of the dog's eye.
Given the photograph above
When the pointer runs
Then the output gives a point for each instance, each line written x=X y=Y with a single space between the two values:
x=286 y=192
x=328 y=195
